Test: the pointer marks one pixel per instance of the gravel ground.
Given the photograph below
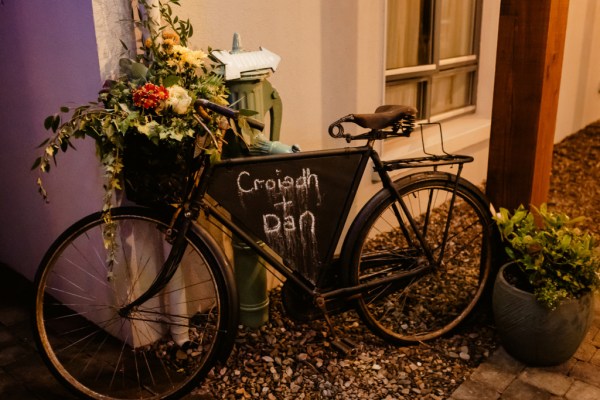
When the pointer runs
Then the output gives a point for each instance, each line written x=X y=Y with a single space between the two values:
x=575 y=187
x=290 y=360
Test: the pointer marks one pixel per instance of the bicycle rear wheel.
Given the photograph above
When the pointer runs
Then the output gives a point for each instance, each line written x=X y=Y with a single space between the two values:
x=381 y=243
x=160 y=350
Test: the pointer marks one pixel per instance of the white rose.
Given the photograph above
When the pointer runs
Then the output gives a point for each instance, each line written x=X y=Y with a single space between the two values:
x=179 y=99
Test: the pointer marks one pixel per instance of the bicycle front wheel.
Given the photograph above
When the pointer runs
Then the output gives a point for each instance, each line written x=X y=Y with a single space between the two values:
x=456 y=226
x=160 y=349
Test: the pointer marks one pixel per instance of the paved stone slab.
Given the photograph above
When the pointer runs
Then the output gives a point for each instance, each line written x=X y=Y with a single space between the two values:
x=585 y=352
x=583 y=391
x=596 y=339
x=587 y=372
x=10 y=316
x=5 y=337
x=596 y=358
x=552 y=382
x=11 y=354
x=493 y=376
x=23 y=334
x=45 y=390
x=29 y=369
x=11 y=391
x=473 y=390
x=519 y=390
x=36 y=378
x=563 y=368
x=594 y=329
x=505 y=361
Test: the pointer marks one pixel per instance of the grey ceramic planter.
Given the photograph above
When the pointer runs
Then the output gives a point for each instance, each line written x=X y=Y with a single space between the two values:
x=533 y=334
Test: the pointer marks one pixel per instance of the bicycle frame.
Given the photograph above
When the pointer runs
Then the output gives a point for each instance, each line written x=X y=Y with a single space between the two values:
x=247 y=195
x=259 y=185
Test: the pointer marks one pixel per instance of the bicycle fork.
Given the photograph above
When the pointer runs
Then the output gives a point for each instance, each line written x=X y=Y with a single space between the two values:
x=183 y=223
x=166 y=272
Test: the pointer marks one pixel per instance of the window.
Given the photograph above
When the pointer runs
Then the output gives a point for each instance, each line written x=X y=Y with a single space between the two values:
x=432 y=55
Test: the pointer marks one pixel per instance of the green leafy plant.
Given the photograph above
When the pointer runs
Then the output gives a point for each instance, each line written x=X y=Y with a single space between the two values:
x=558 y=260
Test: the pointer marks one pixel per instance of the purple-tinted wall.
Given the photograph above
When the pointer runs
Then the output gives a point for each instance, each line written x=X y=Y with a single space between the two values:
x=48 y=58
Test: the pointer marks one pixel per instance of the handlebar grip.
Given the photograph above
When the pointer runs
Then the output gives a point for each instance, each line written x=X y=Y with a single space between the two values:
x=336 y=130
x=225 y=111
x=228 y=112
x=255 y=124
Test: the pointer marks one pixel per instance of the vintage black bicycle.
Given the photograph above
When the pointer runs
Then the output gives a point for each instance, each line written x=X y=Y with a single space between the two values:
x=150 y=324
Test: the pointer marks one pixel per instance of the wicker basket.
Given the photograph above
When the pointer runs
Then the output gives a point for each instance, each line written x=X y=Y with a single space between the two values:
x=158 y=175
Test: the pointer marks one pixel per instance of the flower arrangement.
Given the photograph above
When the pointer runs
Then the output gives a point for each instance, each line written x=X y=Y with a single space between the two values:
x=153 y=97
x=149 y=107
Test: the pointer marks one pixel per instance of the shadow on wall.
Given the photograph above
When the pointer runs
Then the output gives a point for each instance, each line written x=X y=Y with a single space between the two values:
x=49 y=58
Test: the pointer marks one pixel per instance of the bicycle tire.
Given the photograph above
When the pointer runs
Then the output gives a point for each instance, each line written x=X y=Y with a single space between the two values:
x=431 y=304
x=165 y=346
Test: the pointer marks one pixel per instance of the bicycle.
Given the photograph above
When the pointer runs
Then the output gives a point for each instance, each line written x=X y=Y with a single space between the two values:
x=414 y=263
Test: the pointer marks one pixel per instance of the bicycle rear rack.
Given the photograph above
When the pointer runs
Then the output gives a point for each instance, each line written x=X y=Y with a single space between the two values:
x=430 y=159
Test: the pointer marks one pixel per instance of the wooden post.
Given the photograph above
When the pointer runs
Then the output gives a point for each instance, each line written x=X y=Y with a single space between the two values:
x=528 y=70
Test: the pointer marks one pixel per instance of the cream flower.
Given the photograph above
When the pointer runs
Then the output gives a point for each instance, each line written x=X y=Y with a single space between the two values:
x=179 y=99
x=185 y=58
x=148 y=129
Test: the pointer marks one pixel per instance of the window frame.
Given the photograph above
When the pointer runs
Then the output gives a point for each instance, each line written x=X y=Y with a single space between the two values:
x=425 y=73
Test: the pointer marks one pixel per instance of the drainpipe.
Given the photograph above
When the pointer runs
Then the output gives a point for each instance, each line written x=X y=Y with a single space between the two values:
x=246 y=77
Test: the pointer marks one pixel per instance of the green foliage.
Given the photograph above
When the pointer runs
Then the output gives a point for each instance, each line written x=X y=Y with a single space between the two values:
x=558 y=259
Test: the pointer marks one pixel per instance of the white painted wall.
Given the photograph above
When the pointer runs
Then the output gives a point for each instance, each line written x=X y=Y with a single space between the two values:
x=48 y=58
x=320 y=43
x=579 y=101
x=332 y=65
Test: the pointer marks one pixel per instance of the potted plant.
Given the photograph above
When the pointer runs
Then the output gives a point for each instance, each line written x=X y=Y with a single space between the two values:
x=543 y=297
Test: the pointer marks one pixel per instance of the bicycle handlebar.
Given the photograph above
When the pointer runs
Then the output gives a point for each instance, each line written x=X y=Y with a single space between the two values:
x=400 y=119
x=227 y=112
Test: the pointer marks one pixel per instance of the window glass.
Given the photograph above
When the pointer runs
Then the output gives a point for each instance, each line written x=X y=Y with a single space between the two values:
x=450 y=92
x=457 y=24
x=407 y=94
x=408 y=33
x=440 y=81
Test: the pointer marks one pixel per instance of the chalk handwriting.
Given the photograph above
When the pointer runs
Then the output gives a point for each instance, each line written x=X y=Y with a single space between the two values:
x=290 y=224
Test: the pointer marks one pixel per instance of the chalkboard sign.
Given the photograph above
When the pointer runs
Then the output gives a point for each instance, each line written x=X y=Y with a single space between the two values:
x=295 y=203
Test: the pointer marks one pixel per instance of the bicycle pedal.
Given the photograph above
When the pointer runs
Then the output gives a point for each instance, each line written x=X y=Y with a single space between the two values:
x=344 y=346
